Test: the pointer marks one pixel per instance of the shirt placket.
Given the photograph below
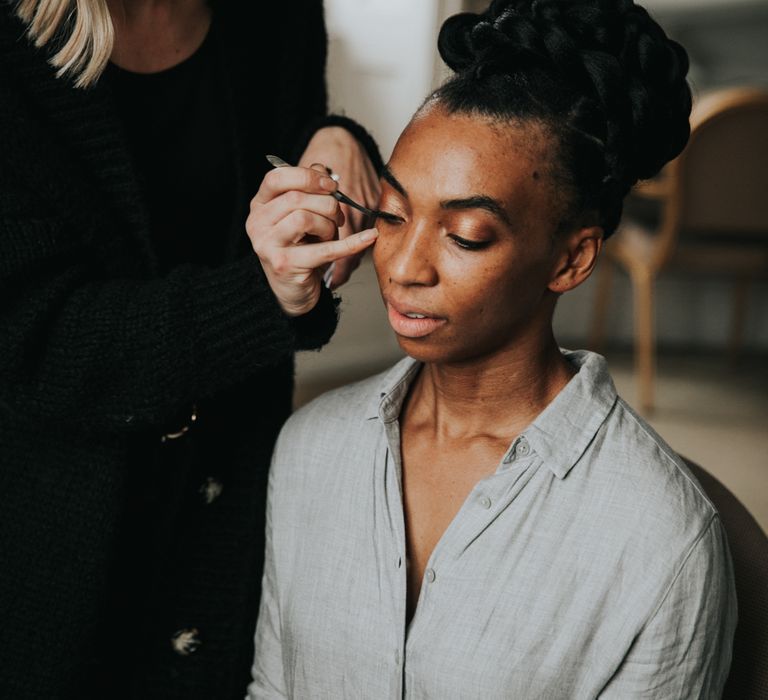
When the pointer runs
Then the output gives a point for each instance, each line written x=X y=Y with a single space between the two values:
x=483 y=505
x=396 y=553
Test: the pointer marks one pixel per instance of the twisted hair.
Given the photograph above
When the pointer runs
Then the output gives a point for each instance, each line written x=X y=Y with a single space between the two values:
x=600 y=74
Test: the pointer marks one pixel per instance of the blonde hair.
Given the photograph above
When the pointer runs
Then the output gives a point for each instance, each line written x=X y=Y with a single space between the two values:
x=85 y=52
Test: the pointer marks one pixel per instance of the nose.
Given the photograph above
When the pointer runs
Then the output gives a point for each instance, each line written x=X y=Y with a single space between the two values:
x=412 y=259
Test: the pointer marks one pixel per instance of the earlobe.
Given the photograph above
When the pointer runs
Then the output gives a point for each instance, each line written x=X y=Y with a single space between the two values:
x=577 y=259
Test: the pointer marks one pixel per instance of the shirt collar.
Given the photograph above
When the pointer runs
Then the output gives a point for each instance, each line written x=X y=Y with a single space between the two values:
x=392 y=388
x=559 y=434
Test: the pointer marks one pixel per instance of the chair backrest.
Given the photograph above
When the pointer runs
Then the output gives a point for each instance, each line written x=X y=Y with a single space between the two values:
x=748 y=678
x=723 y=172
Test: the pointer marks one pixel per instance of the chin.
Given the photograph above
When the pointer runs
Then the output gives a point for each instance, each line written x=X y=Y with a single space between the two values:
x=435 y=352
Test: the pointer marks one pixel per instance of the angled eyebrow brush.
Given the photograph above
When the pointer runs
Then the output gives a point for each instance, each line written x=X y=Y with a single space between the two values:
x=277 y=162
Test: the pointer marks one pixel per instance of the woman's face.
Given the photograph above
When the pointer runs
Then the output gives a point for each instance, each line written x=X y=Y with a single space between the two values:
x=466 y=271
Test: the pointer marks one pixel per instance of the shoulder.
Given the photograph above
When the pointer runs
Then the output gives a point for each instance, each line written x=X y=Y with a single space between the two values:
x=338 y=417
x=332 y=411
x=328 y=445
x=647 y=484
x=17 y=51
x=11 y=27
x=656 y=465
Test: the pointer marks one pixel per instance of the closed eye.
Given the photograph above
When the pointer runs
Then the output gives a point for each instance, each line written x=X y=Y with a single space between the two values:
x=467 y=244
x=390 y=218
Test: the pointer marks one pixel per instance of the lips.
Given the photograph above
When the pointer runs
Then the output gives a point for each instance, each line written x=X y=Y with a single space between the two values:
x=411 y=322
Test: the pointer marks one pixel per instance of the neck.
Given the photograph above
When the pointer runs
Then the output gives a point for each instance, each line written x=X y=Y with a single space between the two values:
x=131 y=9
x=153 y=35
x=496 y=396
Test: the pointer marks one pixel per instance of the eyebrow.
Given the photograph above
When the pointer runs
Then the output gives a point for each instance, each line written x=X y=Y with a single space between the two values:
x=386 y=173
x=479 y=201
x=475 y=201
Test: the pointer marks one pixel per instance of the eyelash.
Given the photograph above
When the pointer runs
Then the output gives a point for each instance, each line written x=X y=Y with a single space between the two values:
x=389 y=218
x=468 y=245
x=461 y=242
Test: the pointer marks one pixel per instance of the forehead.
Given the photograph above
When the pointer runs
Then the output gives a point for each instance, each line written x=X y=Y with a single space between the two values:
x=444 y=156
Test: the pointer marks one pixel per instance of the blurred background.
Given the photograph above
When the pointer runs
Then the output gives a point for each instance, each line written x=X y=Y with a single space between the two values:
x=689 y=348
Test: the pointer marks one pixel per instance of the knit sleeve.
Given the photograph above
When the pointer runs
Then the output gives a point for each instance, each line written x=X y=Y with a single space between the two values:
x=78 y=328
x=131 y=352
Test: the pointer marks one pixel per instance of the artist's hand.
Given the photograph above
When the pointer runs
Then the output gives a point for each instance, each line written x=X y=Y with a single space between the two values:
x=337 y=149
x=293 y=225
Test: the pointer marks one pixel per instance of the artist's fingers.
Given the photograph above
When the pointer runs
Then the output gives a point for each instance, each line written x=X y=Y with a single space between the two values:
x=272 y=212
x=323 y=169
x=343 y=269
x=354 y=220
x=301 y=223
x=282 y=180
x=317 y=254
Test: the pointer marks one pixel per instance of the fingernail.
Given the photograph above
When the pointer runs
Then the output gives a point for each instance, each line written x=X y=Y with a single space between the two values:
x=332 y=174
x=328 y=184
x=369 y=235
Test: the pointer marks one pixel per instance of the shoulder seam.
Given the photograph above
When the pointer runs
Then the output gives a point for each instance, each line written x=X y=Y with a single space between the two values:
x=672 y=456
x=683 y=562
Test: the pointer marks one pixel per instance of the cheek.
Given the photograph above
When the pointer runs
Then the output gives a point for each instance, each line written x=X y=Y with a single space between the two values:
x=474 y=289
x=496 y=295
x=383 y=250
x=379 y=259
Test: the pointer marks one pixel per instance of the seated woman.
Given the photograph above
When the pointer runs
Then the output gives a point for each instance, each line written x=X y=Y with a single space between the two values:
x=488 y=519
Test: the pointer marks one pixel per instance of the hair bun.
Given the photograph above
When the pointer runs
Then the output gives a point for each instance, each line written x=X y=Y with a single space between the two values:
x=611 y=52
x=502 y=39
x=455 y=42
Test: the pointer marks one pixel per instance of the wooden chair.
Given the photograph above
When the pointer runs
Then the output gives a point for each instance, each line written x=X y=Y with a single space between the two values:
x=711 y=216
x=748 y=677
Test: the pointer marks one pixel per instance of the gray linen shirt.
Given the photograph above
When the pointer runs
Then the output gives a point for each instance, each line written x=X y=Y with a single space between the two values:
x=590 y=564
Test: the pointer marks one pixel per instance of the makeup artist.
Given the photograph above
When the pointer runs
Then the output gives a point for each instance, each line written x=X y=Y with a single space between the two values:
x=154 y=285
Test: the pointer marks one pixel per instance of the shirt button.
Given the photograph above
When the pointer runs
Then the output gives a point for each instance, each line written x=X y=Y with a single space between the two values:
x=485 y=502
x=211 y=490
x=523 y=448
x=399 y=562
x=430 y=575
x=186 y=641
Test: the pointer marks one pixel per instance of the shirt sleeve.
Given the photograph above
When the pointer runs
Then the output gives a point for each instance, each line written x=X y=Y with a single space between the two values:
x=684 y=651
x=267 y=670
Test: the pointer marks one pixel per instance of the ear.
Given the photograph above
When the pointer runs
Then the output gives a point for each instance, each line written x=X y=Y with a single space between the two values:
x=576 y=258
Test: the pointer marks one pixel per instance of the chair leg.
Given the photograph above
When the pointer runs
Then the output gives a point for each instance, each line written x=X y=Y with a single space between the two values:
x=645 y=342
x=605 y=271
x=738 y=316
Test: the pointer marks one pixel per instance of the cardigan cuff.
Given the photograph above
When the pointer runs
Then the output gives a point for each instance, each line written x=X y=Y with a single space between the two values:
x=314 y=329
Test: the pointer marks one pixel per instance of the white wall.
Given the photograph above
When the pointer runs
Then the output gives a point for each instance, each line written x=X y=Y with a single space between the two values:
x=382 y=60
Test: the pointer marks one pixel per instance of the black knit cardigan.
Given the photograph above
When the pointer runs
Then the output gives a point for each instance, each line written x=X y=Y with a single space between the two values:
x=130 y=563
